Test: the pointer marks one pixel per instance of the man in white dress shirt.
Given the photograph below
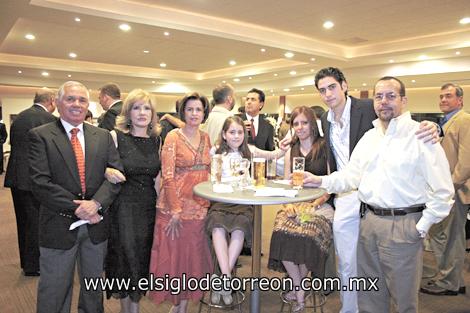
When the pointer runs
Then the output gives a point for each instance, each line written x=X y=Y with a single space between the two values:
x=405 y=186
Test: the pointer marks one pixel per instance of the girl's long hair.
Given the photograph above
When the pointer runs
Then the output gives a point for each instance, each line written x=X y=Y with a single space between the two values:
x=224 y=147
x=318 y=143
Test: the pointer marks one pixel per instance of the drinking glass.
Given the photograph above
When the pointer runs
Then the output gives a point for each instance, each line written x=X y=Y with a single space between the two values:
x=259 y=165
x=216 y=169
x=298 y=167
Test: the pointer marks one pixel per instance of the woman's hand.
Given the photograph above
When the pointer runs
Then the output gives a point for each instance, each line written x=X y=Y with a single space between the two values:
x=114 y=176
x=173 y=227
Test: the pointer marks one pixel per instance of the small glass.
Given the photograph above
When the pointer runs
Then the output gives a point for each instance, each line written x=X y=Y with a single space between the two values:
x=271 y=167
x=216 y=169
x=244 y=173
x=259 y=165
x=298 y=167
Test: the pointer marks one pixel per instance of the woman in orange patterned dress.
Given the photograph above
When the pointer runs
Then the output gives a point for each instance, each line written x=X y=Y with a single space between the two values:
x=180 y=244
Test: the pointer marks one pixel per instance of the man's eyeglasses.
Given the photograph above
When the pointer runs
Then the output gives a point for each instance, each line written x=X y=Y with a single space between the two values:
x=389 y=96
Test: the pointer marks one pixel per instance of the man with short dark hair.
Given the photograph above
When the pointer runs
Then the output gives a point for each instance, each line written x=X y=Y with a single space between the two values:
x=346 y=121
x=405 y=186
x=17 y=178
x=68 y=159
x=448 y=237
x=110 y=100
x=260 y=131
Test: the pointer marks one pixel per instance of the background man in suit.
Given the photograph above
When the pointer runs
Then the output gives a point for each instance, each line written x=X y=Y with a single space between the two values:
x=346 y=121
x=3 y=139
x=18 y=180
x=110 y=100
x=448 y=237
x=68 y=159
x=260 y=131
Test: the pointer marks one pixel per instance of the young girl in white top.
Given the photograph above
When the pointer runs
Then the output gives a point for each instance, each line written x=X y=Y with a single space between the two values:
x=231 y=224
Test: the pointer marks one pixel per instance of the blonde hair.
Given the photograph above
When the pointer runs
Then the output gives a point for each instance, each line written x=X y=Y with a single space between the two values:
x=123 y=120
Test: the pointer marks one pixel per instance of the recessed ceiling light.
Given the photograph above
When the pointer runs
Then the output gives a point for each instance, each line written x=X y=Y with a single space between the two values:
x=153 y=82
x=45 y=74
x=162 y=64
x=250 y=77
x=166 y=33
x=275 y=74
x=272 y=90
x=413 y=81
x=20 y=71
x=263 y=50
x=223 y=82
x=289 y=54
x=293 y=73
x=457 y=52
x=30 y=36
x=236 y=80
x=69 y=75
x=312 y=59
x=355 y=89
x=312 y=70
x=302 y=88
x=465 y=20
x=73 y=55
x=146 y=51
x=273 y=95
x=77 y=19
x=124 y=27
x=286 y=89
x=391 y=61
x=232 y=62
x=364 y=84
x=423 y=57
x=328 y=24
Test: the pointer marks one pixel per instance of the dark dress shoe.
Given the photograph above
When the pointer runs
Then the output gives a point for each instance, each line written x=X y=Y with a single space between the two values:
x=438 y=291
x=33 y=273
x=462 y=290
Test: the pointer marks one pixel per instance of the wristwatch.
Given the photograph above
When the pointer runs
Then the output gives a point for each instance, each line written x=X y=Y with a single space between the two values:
x=422 y=233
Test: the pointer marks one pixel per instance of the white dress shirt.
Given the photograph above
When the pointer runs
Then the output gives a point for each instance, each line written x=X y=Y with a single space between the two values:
x=255 y=121
x=81 y=137
x=347 y=204
x=392 y=168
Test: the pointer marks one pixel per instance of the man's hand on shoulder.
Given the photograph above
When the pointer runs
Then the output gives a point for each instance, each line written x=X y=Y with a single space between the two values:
x=428 y=131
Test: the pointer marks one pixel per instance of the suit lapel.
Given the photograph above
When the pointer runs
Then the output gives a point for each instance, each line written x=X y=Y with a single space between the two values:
x=450 y=122
x=62 y=142
x=91 y=144
x=355 y=121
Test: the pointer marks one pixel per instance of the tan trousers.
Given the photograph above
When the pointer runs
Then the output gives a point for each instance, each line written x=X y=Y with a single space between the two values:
x=390 y=249
x=447 y=240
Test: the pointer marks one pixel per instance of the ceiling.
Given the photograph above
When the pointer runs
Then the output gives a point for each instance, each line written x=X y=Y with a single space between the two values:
x=424 y=39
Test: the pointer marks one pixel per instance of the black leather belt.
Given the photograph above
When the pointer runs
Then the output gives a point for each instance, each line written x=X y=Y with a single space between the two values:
x=391 y=212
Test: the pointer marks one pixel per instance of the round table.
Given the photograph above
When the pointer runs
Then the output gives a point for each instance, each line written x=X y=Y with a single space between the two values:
x=204 y=190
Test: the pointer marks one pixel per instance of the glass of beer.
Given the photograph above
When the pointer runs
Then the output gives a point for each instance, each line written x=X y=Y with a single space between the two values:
x=298 y=167
x=216 y=169
x=259 y=169
x=271 y=169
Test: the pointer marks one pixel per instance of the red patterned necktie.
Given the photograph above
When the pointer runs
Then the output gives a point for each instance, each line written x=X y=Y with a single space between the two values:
x=252 y=129
x=77 y=149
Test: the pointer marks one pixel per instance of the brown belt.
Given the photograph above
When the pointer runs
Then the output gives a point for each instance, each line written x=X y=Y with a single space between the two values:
x=391 y=212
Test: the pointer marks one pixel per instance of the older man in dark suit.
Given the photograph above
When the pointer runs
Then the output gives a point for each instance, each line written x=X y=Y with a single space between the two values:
x=110 y=100
x=68 y=159
x=18 y=180
x=260 y=132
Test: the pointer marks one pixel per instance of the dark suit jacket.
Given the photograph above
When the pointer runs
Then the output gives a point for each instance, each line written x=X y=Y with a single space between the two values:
x=265 y=136
x=56 y=182
x=17 y=175
x=109 y=118
x=362 y=115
